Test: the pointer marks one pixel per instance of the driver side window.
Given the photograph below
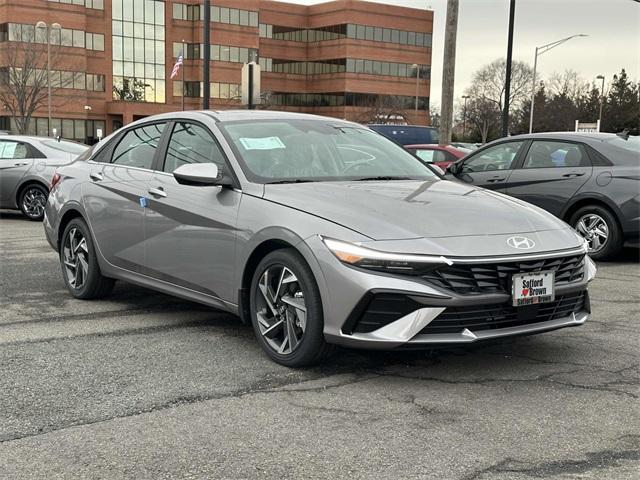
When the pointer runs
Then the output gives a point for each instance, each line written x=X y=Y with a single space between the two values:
x=500 y=157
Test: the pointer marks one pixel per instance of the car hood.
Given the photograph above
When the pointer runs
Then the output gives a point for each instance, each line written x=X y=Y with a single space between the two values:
x=397 y=210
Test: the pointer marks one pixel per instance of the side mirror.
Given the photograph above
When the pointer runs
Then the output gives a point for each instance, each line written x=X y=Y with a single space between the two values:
x=200 y=174
x=454 y=168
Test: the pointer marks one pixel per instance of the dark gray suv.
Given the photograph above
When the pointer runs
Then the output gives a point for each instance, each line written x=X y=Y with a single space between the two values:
x=590 y=180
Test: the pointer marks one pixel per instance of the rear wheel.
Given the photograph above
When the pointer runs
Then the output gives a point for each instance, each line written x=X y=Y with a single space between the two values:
x=32 y=201
x=79 y=263
x=600 y=228
x=286 y=310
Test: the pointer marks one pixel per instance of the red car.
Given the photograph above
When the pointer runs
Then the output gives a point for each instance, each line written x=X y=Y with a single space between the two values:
x=437 y=155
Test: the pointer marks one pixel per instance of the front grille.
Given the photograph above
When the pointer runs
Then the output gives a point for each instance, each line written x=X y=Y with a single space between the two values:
x=504 y=315
x=496 y=277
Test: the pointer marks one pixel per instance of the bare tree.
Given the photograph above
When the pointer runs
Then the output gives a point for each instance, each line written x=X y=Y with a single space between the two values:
x=569 y=83
x=384 y=109
x=483 y=116
x=24 y=79
x=489 y=83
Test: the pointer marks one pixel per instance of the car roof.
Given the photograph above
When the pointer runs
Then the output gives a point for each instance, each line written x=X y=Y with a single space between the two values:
x=391 y=125
x=581 y=136
x=239 y=115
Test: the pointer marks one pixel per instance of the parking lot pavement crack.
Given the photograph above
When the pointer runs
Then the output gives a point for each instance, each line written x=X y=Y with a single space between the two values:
x=265 y=385
x=142 y=310
x=592 y=461
x=603 y=387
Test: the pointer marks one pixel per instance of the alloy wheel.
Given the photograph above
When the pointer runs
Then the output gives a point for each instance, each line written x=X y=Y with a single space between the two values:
x=75 y=256
x=281 y=312
x=33 y=202
x=595 y=230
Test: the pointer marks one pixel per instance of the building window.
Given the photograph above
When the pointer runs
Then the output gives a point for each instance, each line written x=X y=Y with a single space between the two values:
x=138 y=50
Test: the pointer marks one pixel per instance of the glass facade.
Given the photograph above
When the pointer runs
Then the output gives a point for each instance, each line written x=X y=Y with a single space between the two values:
x=232 y=16
x=357 y=32
x=346 y=99
x=230 y=91
x=138 y=50
x=341 y=65
x=221 y=53
x=95 y=4
x=65 y=37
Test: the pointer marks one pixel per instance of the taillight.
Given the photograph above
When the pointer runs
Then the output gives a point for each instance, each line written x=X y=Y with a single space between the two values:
x=54 y=181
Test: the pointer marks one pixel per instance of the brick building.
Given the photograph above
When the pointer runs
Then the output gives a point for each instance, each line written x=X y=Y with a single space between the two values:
x=111 y=59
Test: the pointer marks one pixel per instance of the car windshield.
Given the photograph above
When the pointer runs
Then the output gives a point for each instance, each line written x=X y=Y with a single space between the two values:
x=67 y=147
x=631 y=144
x=293 y=150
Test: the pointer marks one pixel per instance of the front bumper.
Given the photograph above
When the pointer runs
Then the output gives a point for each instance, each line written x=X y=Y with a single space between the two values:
x=354 y=301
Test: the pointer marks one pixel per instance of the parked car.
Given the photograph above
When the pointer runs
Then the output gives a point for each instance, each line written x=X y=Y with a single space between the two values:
x=467 y=146
x=590 y=180
x=442 y=156
x=257 y=213
x=27 y=165
x=408 y=134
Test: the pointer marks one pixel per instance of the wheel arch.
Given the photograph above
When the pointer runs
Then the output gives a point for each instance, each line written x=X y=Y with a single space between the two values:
x=67 y=216
x=264 y=243
x=587 y=201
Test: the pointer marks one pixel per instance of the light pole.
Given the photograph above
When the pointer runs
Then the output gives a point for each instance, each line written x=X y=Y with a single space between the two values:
x=417 y=68
x=48 y=29
x=601 y=77
x=464 y=116
x=540 y=51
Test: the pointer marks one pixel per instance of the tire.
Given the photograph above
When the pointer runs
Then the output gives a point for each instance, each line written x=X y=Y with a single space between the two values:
x=291 y=284
x=32 y=201
x=78 y=254
x=589 y=221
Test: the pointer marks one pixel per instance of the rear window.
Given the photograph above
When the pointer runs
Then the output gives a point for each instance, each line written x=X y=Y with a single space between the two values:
x=407 y=135
x=64 y=146
x=632 y=144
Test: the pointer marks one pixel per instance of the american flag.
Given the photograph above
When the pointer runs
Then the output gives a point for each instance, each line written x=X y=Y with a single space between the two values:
x=176 y=67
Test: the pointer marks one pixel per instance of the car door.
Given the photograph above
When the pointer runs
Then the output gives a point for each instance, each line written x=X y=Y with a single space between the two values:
x=115 y=196
x=491 y=167
x=550 y=173
x=190 y=230
x=14 y=164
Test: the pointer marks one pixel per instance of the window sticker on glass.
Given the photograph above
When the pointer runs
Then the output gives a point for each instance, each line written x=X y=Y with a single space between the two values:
x=7 y=149
x=266 y=143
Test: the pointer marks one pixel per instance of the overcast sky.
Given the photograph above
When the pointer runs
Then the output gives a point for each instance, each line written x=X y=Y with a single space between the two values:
x=613 y=43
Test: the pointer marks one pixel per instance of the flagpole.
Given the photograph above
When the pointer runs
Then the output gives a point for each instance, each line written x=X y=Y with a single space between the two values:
x=183 y=67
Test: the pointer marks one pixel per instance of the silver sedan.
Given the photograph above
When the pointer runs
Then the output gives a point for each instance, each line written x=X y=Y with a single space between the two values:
x=314 y=230
x=27 y=165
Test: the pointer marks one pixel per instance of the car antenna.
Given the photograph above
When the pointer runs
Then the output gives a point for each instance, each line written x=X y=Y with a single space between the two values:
x=624 y=134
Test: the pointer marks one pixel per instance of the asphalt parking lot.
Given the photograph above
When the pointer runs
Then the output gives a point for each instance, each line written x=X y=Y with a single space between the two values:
x=144 y=385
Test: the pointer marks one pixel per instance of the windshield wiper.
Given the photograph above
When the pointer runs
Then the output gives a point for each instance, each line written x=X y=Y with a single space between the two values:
x=381 y=177
x=297 y=180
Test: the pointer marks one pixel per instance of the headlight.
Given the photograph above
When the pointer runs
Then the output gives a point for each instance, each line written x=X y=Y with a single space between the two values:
x=363 y=257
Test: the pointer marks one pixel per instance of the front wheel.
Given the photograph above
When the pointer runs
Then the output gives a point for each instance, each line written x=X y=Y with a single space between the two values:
x=79 y=263
x=286 y=310
x=600 y=228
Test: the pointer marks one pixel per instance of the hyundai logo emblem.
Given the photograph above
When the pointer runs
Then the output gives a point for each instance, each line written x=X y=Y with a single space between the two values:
x=521 y=243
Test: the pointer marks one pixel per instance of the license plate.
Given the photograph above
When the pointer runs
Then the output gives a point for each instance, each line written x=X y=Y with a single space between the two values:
x=533 y=288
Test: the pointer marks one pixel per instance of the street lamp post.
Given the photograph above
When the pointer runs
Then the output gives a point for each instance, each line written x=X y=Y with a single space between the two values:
x=601 y=77
x=540 y=51
x=417 y=68
x=464 y=117
x=48 y=29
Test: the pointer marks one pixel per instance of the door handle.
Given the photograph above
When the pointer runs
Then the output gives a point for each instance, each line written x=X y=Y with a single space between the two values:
x=573 y=174
x=20 y=164
x=496 y=179
x=158 y=192
x=96 y=177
